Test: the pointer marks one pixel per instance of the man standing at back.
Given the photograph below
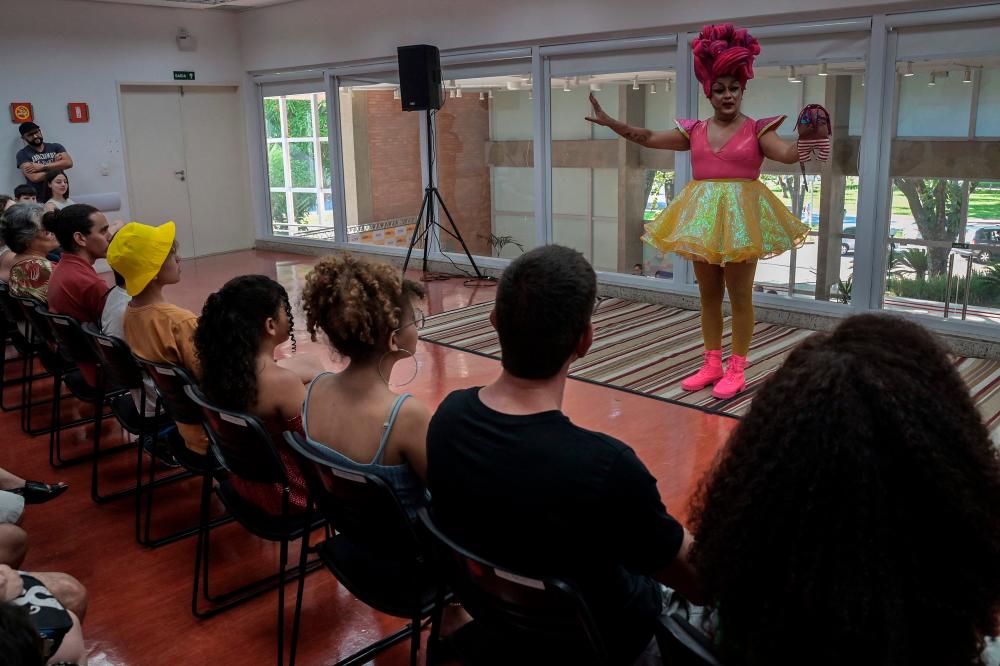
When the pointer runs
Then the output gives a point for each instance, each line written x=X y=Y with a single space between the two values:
x=38 y=158
x=514 y=481
x=75 y=288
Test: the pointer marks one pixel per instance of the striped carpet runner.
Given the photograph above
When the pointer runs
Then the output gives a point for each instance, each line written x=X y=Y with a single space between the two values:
x=650 y=349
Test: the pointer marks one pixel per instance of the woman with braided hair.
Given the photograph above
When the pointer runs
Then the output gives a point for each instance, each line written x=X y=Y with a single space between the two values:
x=725 y=220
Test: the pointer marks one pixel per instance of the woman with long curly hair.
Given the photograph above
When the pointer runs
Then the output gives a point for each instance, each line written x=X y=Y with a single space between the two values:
x=368 y=313
x=239 y=329
x=854 y=514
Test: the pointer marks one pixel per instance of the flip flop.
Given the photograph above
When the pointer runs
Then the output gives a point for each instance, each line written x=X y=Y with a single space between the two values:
x=36 y=492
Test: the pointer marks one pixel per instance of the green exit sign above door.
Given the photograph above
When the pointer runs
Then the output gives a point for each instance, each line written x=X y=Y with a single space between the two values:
x=183 y=76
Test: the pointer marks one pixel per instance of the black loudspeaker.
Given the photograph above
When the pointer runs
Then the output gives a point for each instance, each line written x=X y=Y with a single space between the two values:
x=419 y=77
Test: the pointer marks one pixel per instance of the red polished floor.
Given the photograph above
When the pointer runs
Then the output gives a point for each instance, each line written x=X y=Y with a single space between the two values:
x=140 y=598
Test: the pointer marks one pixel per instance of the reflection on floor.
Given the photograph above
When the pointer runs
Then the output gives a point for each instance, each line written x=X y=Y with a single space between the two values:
x=139 y=599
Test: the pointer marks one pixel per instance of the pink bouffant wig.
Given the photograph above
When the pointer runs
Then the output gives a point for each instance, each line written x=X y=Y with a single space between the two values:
x=722 y=50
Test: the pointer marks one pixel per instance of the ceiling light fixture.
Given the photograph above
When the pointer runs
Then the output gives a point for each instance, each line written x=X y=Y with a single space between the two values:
x=458 y=92
x=395 y=93
x=792 y=78
x=822 y=69
x=635 y=83
x=968 y=75
x=652 y=88
x=596 y=87
x=489 y=94
x=932 y=80
x=451 y=94
x=668 y=85
x=566 y=87
x=909 y=70
x=482 y=96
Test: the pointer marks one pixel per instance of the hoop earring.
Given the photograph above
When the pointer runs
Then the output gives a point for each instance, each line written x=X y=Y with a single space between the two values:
x=416 y=368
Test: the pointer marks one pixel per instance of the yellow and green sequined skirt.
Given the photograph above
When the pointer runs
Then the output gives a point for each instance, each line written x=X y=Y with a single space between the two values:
x=726 y=221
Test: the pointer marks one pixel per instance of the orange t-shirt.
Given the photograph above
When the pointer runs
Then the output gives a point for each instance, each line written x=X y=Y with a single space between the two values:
x=164 y=333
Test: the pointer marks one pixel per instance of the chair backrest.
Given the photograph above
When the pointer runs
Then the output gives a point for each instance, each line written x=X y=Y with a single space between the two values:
x=170 y=381
x=40 y=326
x=358 y=503
x=70 y=336
x=548 y=608
x=240 y=442
x=116 y=358
x=11 y=310
x=690 y=646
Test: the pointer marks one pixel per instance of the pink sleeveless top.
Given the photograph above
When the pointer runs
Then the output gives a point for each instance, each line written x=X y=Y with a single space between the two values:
x=739 y=158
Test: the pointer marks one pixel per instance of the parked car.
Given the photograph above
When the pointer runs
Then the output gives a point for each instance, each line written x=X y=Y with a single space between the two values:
x=986 y=236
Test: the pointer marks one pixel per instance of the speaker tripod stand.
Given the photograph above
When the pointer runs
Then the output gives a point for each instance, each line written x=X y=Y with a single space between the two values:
x=428 y=220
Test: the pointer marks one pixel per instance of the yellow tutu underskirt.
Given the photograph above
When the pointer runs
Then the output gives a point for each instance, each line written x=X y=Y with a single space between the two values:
x=726 y=221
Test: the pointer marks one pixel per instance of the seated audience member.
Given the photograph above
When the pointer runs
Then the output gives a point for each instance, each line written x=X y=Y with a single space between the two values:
x=156 y=330
x=36 y=624
x=238 y=331
x=516 y=482
x=25 y=268
x=58 y=185
x=75 y=288
x=367 y=312
x=6 y=201
x=815 y=531
x=25 y=194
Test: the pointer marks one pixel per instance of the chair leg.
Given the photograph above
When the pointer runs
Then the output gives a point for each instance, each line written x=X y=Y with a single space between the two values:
x=54 y=439
x=300 y=592
x=415 y=642
x=282 y=563
x=201 y=549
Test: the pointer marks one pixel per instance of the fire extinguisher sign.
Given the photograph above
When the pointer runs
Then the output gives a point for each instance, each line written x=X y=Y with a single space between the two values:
x=78 y=112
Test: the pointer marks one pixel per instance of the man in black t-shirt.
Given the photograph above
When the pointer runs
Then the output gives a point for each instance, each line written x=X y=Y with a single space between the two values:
x=38 y=158
x=514 y=481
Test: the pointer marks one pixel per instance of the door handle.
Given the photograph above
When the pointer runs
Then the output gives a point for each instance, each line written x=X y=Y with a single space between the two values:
x=180 y=174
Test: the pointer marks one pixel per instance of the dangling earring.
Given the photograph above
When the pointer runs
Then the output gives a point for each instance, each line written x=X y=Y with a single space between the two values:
x=416 y=368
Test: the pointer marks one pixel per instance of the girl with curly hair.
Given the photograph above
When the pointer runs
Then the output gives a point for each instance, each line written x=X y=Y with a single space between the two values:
x=725 y=219
x=368 y=313
x=854 y=514
x=239 y=329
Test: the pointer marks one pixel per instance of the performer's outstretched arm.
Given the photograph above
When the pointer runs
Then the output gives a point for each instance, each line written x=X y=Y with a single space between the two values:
x=777 y=149
x=667 y=140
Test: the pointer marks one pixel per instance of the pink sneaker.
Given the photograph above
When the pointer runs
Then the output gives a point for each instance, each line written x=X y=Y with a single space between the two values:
x=734 y=381
x=710 y=372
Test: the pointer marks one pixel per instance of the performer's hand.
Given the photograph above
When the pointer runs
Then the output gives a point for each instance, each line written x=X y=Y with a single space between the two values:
x=599 y=117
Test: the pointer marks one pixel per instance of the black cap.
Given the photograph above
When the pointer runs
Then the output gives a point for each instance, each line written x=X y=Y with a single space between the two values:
x=27 y=128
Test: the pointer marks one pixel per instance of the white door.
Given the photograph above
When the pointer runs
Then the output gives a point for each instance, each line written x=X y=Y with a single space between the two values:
x=157 y=172
x=187 y=163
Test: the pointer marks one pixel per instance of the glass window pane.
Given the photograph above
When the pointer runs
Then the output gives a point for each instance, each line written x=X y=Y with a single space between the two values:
x=321 y=115
x=305 y=208
x=987 y=118
x=938 y=199
x=301 y=156
x=275 y=165
x=823 y=267
x=279 y=213
x=382 y=175
x=602 y=187
x=484 y=153
x=299 y=112
x=272 y=117
x=324 y=154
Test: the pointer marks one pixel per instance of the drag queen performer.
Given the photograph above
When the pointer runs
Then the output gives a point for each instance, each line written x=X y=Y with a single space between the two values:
x=725 y=220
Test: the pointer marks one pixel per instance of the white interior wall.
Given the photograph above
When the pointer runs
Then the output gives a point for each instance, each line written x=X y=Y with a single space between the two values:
x=64 y=51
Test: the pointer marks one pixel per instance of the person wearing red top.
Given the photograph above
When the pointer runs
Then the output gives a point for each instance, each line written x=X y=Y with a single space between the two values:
x=75 y=288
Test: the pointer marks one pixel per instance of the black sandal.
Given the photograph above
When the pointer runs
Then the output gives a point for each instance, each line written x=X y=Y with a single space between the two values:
x=36 y=492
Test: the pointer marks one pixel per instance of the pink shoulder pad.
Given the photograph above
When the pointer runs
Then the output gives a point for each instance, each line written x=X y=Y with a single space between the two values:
x=685 y=125
x=765 y=125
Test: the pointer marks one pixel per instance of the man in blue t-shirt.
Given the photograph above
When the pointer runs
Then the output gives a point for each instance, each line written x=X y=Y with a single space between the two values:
x=38 y=158
x=516 y=482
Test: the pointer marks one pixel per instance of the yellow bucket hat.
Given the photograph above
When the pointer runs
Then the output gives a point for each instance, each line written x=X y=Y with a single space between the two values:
x=138 y=251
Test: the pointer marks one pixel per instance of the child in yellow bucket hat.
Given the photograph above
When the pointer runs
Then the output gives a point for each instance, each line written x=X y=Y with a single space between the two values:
x=155 y=329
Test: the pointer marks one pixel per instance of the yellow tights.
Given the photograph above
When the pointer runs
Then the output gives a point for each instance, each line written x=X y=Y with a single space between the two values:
x=713 y=281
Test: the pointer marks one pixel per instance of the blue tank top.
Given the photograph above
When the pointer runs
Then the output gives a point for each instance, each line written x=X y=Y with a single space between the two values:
x=401 y=478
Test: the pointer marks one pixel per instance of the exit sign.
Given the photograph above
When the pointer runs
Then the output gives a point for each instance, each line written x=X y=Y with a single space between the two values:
x=183 y=76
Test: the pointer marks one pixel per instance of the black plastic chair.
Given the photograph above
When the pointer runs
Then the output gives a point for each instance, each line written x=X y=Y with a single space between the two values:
x=246 y=451
x=525 y=614
x=686 y=645
x=119 y=368
x=29 y=347
x=10 y=317
x=75 y=346
x=170 y=381
x=376 y=552
x=64 y=372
